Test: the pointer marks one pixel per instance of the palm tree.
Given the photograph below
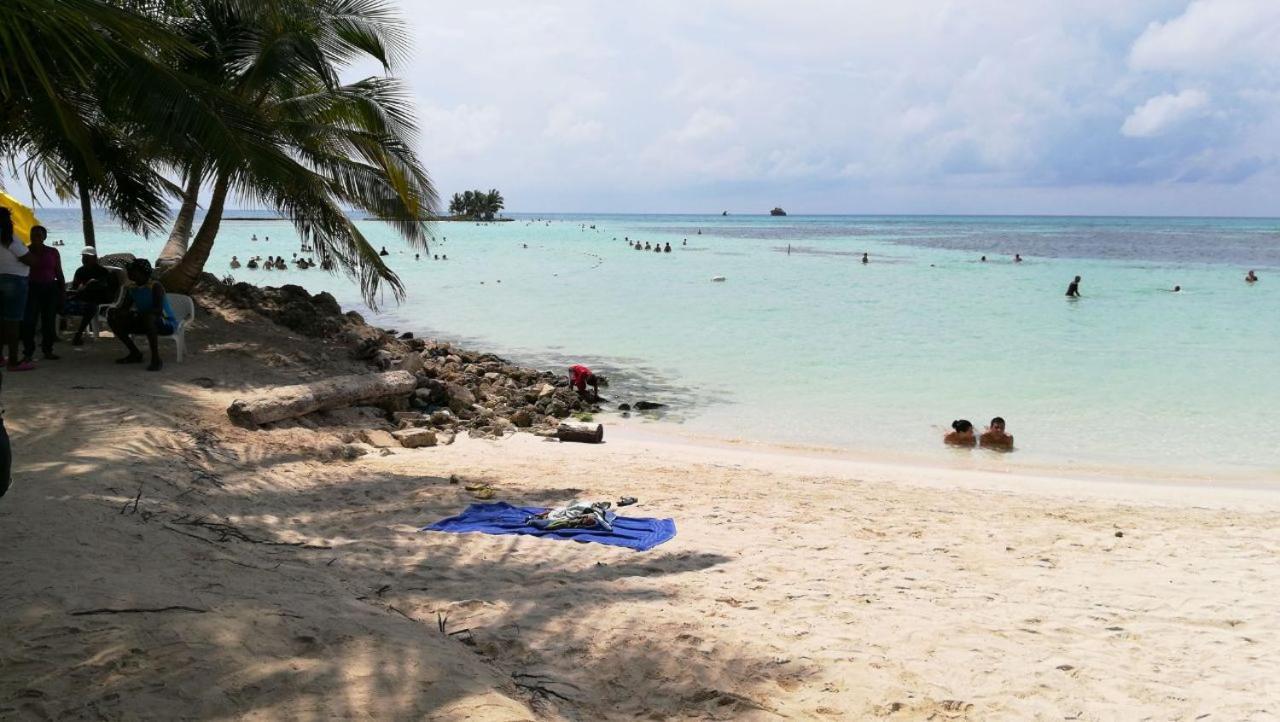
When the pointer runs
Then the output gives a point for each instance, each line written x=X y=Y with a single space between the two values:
x=337 y=144
x=456 y=205
x=493 y=203
x=85 y=100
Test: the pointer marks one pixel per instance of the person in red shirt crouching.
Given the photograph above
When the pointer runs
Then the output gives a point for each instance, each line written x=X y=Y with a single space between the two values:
x=580 y=377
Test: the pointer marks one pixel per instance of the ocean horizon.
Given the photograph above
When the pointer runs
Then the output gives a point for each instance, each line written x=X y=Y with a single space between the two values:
x=803 y=344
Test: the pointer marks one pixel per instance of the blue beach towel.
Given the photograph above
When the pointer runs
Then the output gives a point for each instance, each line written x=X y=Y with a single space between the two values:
x=503 y=518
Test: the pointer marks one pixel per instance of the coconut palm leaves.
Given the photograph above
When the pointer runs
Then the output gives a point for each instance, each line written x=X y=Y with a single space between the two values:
x=109 y=100
x=340 y=145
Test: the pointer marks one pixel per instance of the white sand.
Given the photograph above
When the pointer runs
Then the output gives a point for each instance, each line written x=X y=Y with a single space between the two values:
x=798 y=586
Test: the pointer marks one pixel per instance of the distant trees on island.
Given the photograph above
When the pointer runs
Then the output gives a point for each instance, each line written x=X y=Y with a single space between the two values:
x=478 y=205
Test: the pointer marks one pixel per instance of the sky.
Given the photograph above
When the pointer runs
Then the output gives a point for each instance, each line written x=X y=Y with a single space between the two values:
x=1124 y=107
x=1164 y=107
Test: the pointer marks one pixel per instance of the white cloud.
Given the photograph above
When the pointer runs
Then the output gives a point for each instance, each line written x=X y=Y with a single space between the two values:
x=1163 y=112
x=1211 y=35
x=567 y=102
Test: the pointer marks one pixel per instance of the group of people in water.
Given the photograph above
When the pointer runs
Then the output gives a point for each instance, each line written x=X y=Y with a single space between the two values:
x=1073 y=288
x=279 y=264
x=655 y=247
x=995 y=437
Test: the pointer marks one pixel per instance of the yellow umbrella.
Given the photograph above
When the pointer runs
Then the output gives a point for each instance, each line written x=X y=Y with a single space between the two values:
x=23 y=218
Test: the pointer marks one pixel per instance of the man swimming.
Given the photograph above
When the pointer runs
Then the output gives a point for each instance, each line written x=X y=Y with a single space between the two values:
x=1073 y=290
x=995 y=437
x=1251 y=277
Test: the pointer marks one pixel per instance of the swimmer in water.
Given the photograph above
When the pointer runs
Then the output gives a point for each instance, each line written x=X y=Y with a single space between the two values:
x=253 y=265
x=1251 y=277
x=961 y=434
x=995 y=437
x=383 y=252
x=235 y=262
x=983 y=259
x=1176 y=289
x=1073 y=290
x=865 y=259
x=1017 y=258
x=667 y=248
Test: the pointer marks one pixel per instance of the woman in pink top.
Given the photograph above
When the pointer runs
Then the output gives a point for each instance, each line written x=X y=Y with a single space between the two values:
x=45 y=287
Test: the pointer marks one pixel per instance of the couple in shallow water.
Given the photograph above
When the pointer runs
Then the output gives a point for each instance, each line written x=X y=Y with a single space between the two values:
x=993 y=438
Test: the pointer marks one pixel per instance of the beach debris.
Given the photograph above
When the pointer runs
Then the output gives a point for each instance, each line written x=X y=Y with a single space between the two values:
x=581 y=433
x=286 y=402
x=718 y=279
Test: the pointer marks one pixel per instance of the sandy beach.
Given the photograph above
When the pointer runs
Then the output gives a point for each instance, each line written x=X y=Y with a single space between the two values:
x=165 y=564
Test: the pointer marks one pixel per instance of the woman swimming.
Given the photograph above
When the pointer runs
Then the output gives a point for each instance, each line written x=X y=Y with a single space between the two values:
x=961 y=434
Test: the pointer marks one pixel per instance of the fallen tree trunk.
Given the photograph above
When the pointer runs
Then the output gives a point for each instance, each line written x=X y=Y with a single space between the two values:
x=287 y=402
x=583 y=433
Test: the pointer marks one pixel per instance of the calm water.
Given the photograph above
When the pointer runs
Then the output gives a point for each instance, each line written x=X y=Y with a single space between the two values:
x=814 y=347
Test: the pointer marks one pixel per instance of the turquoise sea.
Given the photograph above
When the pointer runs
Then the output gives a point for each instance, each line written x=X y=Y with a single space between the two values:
x=810 y=346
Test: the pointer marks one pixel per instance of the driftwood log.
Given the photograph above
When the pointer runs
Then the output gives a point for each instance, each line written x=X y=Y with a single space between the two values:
x=584 y=433
x=287 y=402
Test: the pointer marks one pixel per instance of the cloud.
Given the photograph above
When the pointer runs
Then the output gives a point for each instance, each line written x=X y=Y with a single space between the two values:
x=1211 y=35
x=851 y=105
x=1163 y=112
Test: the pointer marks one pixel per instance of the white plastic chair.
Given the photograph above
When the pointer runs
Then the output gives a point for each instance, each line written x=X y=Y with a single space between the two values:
x=99 y=317
x=184 y=309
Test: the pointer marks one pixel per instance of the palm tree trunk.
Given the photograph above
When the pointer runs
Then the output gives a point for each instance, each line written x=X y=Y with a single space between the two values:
x=182 y=277
x=86 y=215
x=180 y=236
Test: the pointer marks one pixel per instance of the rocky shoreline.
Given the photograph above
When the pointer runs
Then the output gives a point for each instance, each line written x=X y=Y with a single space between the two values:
x=457 y=390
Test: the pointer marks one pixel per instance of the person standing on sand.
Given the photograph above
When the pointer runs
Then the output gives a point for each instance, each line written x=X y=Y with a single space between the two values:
x=15 y=266
x=580 y=376
x=1073 y=290
x=44 y=297
x=144 y=310
x=995 y=437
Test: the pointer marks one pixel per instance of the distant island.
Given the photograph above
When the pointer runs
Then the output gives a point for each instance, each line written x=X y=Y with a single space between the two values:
x=475 y=205
x=777 y=212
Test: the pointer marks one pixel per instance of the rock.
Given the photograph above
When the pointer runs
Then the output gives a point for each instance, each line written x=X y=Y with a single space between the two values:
x=442 y=418
x=557 y=409
x=415 y=438
x=624 y=407
x=460 y=398
x=384 y=360
x=402 y=416
x=522 y=418
x=354 y=451
x=412 y=363
x=546 y=390
x=378 y=438
x=1119 y=534
x=492 y=376
x=406 y=335
x=648 y=405
x=445 y=438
